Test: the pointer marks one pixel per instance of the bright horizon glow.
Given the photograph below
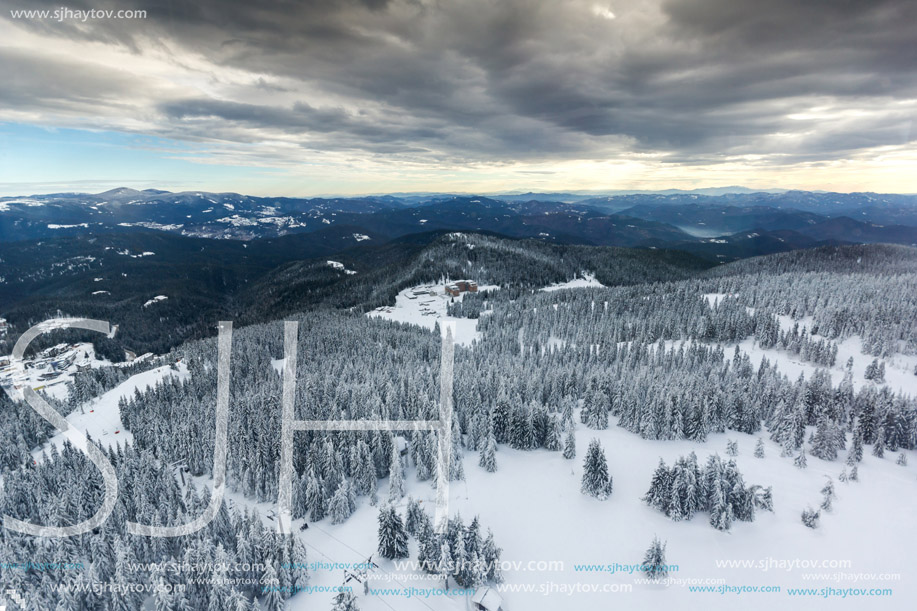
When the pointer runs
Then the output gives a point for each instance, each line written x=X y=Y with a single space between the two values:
x=95 y=161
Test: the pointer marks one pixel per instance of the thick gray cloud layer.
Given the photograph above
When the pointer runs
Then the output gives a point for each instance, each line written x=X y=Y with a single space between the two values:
x=692 y=81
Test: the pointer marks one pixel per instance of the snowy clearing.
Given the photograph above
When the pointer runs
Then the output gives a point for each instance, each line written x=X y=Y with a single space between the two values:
x=341 y=268
x=155 y=299
x=570 y=529
x=585 y=280
x=425 y=305
x=100 y=418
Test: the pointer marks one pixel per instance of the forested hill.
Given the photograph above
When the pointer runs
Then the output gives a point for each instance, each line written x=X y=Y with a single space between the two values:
x=118 y=277
x=520 y=265
x=858 y=258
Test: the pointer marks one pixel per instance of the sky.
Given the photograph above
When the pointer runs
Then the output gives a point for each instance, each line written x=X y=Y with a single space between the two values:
x=372 y=96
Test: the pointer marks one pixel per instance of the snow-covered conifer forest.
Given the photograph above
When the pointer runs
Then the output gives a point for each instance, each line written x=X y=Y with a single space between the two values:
x=755 y=424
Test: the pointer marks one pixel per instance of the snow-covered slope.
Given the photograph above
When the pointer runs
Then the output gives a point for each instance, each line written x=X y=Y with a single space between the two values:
x=586 y=280
x=100 y=418
x=425 y=305
x=533 y=503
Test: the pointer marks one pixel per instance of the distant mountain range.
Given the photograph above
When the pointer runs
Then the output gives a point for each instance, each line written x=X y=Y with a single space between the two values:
x=726 y=224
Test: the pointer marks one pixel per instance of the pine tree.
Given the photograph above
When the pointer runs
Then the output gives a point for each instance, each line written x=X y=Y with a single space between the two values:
x=810 y=517
x=824 y=442
x=878 y=448
x=393 y=539
x=570 y=445
x=395 y=477
x=457 y=468
x=488 y=457
x=875 y=372
x=315 y=497
x=595 y=410
x=342 y=503
x=828 y=495
x=413 y=517
x=759 y=448
x=855 y=454
x=800 y=460
x=766 y=501
x=732 y=448
x=446 y=564
x=270 y=584
x=902 y=459
x=553 y=440
x=491 y=556
x=596 y=480
x=721 y=513
x=660 y=493
x=427 y=547
x=346 y=600
x=654 y=564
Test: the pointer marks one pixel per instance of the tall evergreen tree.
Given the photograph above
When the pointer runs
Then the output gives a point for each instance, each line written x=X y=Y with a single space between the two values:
x=596 y=480
x=654 y=565
x=488 y=457
x=393 y=539
x=570 y=445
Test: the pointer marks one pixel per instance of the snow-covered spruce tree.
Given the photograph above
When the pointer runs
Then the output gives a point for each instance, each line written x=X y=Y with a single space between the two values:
x=491 y=556
x=827 y=495
x=270 y=584
x=764 y=499
x=800 y=460
x=457 y=468
x=902 y=459
x=759 y=448
x=570 y=445
x=346 y=600
x=488 y=457
x=855 y=454
x=553 y=440
x=427 y=547
x=810 y=517
x=654 y=564
x=395 y=477
x=342 y=504
x=445 y=564
x=393 y=539
x=875 y=372
x=595 y=410
x=413 y=517
x=721 y=512
x=878 y=448
x=660 y=493
x=825 y=439
x=854 y=474
x=596 y=480
x=732 y=448
x=315 y=497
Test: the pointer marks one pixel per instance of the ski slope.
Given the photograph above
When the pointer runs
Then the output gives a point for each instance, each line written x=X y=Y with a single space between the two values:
x=425 y=305
x=100 y=418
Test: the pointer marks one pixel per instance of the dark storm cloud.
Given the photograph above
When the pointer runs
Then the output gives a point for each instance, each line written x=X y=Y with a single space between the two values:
x=482 y=80
x=36 y=84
